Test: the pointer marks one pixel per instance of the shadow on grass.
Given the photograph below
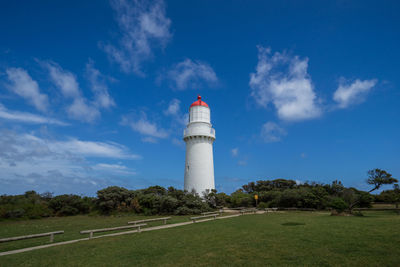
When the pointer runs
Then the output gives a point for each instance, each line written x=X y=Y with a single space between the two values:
x=292 y=224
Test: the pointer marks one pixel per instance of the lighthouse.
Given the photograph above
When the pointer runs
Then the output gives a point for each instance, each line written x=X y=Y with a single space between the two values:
x=199 y=137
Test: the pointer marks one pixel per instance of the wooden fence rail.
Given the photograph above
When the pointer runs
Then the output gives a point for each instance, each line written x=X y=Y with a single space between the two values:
x=51 y=234
x=248 y=210
x=213 y=212
x=90 y=232
x=270 y=209
x=151 y=220
x=194 y=219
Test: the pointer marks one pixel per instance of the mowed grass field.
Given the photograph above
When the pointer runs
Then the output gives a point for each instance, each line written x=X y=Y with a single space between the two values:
x=287 y=238
x=71 y=226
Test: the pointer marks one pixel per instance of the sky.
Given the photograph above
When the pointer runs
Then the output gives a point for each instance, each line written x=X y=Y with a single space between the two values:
x=96 y=93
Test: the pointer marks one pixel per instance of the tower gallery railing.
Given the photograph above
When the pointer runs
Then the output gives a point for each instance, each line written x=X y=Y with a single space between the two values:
x=199 y=131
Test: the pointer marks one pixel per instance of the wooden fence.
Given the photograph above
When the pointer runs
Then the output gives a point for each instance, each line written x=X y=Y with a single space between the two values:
x=90 y=232
x=51 y=234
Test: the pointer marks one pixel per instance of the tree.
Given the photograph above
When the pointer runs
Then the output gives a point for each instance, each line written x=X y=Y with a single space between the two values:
x=111 y=198
x=396 y=190
x=390 y=196
x=377 y=178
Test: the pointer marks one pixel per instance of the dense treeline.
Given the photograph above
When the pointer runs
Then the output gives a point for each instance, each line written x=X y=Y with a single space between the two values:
x=288 y=194
x=153 y=200
x=32 y=205
x=114 y=199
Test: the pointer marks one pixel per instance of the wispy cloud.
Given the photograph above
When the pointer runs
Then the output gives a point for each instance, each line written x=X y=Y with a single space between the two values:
x=352 y=93
x=174 y=110
x=235 y=152
x=93 y=149
x=173 y=107
x=272 y=132
x=32 y=162
x=27 y=117
x=190 y=74
x=23 y=85
x=66 y=81
x=283 y=81
x=99 y=86
x=114 y=168
x=143 y=26
x=150 y=131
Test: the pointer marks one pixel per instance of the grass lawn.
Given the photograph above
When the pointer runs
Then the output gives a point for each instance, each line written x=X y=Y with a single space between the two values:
x=290 y=238
x=71 y=226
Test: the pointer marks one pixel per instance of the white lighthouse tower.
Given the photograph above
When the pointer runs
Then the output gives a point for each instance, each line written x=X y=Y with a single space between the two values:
x=199 y=137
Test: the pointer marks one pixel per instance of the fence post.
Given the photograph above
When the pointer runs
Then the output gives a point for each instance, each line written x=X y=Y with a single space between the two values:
x=91 y=235
x=139 y=229
x=165 y=221
x=51 y=238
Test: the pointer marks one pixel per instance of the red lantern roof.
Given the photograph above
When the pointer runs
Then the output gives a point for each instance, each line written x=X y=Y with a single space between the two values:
x=199 y=103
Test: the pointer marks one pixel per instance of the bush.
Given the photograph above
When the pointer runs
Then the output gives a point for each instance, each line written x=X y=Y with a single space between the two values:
x=338 y=204
x=241 y=199
x=184 y=211
x=66 y=205
x=16 y=213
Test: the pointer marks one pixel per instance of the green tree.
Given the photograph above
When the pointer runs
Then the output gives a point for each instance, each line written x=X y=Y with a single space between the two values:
x=112 y=198
x=377 y=178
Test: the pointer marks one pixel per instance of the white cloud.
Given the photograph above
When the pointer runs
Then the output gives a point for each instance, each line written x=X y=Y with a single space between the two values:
x=142 y=125
x=99 y=87
x=143 y=26
x=114 y=168
x=235 y=152
x=283 y=81
x=64 y=80
x=111 y=166
x=67 y=83
x=190 y=74
x=173 y=107
x=174 y=110
x=28 y=156
x=31 y=162
x=272 y=132
x=352 y=93
x=23 y=85
x=80 y=110
x=27 y=117
x=93 y=149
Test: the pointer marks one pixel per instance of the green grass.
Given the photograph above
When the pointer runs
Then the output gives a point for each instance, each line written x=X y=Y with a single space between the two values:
x=290 y=238
x=71 y=226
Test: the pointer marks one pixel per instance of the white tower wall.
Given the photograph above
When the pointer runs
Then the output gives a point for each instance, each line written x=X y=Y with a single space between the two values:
x=199 y=137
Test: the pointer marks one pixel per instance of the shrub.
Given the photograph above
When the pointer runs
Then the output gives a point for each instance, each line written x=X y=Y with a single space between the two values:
x=184 y=211
x=15 y=213
x=338 y=204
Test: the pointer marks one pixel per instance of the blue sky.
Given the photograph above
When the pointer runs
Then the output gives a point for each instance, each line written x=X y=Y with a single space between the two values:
x=96 y=93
